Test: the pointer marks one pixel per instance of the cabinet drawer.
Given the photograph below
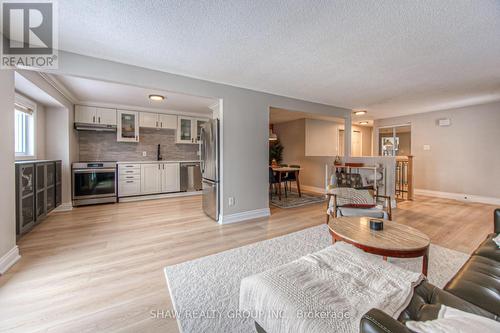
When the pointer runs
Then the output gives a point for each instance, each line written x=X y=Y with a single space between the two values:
x=124 y=177
x=129 y=187
x=128 y=166
x=129 y=171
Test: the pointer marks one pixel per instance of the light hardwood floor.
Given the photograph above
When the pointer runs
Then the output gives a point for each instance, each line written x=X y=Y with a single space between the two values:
x=100 y=268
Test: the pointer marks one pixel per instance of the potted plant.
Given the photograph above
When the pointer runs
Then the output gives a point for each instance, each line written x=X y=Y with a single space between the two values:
x=275 y=152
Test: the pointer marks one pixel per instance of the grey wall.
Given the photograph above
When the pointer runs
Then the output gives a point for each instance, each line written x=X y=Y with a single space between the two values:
x=245 y=119
x=61 y=141
x=7 y=184
x=464 y=158
x=58 y=145
x=102 y=146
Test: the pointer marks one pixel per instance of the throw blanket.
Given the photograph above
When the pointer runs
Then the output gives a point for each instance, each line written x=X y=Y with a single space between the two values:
x=327 y=291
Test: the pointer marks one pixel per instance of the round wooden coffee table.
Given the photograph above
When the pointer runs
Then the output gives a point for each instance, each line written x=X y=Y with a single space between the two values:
x=395 y=240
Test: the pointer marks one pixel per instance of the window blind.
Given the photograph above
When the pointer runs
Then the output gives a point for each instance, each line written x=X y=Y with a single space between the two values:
x=23 y=109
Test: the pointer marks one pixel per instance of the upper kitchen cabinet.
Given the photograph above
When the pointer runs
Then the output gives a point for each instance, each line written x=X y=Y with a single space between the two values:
x=128 y=126
x=189 y=129
x=158 y=121
x=95 y=115
x=167 y=121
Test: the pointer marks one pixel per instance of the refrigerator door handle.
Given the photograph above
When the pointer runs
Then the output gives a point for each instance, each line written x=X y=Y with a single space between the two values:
x=202 y=150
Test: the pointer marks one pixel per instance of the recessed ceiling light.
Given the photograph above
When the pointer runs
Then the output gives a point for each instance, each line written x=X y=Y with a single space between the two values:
x=156 y=97
x=360 y=113
x=363 y=123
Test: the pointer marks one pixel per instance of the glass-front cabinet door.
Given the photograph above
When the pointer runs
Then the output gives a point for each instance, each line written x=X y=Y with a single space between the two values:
x=189 y=129
x=185 y=130
x=128 y=126
x=199 y=125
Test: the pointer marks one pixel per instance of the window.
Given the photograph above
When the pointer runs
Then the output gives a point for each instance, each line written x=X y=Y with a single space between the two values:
x=24 y=128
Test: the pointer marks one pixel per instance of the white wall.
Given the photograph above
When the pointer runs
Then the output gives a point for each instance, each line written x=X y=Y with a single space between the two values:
x=245 y=121
x=464 y=158
x=7 y=172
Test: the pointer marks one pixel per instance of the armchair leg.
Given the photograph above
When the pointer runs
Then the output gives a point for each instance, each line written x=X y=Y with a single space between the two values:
x=327 y=218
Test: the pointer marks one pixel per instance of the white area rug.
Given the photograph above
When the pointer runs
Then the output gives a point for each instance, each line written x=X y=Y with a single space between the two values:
x=205 y=291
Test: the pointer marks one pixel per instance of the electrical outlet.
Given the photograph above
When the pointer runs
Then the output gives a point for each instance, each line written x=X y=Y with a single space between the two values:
x=231 y=201
x=144 y=153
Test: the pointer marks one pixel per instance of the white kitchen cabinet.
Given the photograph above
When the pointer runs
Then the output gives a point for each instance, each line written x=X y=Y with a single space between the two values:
x=167 y=121
x=158 y=120
x=84 y=114
x=129 y=180
x=151 y=178
x=94 y=115
x=189 y=129
x=128 y=126
x=147 y=119
x=106 y=116
x=170 y=175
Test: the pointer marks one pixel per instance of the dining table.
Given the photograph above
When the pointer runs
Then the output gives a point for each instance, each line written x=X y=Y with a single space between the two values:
x=282 y=170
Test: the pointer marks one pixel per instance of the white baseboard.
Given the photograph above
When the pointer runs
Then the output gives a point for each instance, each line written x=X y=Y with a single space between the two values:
x=9 y=259
x=459 y=196
x=244 y=216
x=314 y=189
x=159 y=196
x=64 y=207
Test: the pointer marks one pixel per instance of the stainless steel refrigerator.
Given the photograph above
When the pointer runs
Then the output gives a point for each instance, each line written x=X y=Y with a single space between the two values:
x=209 y=149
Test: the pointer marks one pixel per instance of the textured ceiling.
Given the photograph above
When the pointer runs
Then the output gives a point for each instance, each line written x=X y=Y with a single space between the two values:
x=100 y=92
x=390 y=57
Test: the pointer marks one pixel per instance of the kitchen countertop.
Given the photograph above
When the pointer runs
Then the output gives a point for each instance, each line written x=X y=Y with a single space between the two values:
x=162 y=161
x=34 y=161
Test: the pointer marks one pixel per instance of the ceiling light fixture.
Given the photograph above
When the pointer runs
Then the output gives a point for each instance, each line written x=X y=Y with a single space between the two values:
x=363 y=123
x=360 y=113
x=156 y=98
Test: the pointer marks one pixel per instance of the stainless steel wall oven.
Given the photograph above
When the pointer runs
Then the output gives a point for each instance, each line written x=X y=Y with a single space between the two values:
x=93 y=183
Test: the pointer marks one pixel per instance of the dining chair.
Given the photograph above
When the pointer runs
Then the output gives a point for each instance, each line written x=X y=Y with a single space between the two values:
x=291 y=176
x=273 y=181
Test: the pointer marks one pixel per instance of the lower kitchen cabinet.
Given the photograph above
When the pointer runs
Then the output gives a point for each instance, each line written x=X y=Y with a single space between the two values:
x=170 y=177
x=38 y=192
x=148 y=178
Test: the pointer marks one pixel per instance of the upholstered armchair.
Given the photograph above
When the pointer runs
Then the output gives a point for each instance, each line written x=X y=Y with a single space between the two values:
x=346 y=201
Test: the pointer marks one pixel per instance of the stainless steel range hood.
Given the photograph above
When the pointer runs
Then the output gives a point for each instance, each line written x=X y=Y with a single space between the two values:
x=95 y=127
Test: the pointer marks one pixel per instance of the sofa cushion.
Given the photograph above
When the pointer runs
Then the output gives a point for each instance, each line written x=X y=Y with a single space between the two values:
x=478 y=282
x=489 y=249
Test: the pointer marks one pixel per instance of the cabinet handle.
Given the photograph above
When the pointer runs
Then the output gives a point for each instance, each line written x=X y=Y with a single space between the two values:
x=136 y=138
x=93 y=119
x=130 y=177
x=99 y=118
x=156 y=124
x=161 y=124
x=130 y=181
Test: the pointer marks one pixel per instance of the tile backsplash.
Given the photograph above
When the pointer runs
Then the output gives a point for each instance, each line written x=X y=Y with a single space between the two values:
x=102 y=146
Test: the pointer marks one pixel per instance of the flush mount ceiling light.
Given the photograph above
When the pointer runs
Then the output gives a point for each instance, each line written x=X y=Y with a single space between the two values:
x=156 y=98
x=363 y=123
x=360 y=113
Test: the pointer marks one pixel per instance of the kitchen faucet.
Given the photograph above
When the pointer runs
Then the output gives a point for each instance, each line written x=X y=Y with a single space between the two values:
x=158 y=155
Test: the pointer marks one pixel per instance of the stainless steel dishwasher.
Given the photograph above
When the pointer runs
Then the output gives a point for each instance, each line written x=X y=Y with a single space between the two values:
x=190 y=177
